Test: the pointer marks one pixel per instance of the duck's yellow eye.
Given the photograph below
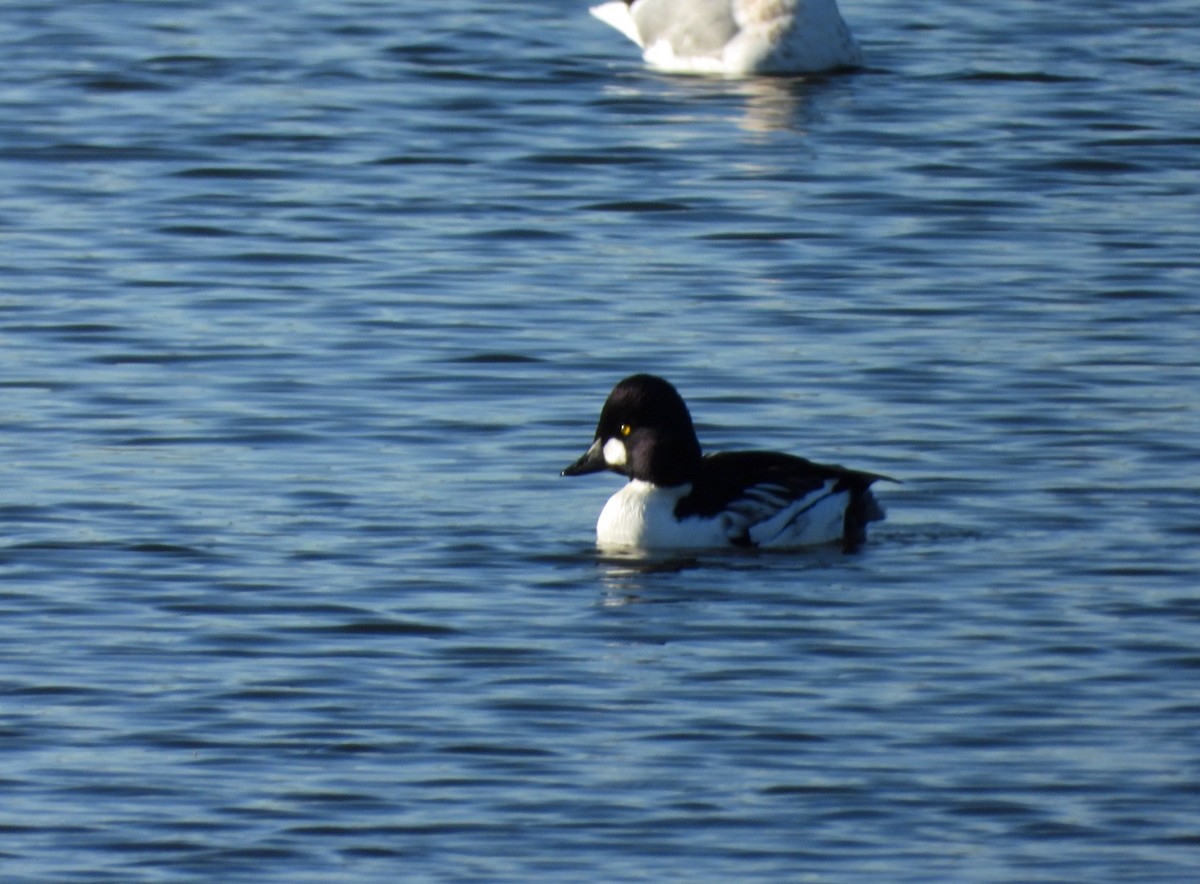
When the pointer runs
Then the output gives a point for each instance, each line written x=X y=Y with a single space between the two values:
x=626 y=429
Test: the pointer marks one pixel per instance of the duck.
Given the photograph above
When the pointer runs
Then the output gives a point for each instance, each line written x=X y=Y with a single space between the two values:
x=678 y=498
x=736 y=37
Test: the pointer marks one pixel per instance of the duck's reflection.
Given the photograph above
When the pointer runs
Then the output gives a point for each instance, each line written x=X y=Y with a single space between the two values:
x=626 y=575
x=633 y=576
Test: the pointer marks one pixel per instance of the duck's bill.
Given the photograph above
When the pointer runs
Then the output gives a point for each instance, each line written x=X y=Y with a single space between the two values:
x=591 y=462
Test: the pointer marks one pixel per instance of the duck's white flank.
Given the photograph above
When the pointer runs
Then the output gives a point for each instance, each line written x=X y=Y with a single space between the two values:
x=642 y=516
x=818 y=517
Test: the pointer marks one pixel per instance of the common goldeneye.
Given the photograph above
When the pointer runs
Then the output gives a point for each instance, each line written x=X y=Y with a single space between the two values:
x=736 y=37
x=677 y=498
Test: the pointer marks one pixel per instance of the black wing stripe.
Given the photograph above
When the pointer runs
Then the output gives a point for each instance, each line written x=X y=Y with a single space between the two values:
x=796 y=516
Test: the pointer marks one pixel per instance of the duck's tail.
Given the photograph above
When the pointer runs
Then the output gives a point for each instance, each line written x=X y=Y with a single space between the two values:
x=862 y=509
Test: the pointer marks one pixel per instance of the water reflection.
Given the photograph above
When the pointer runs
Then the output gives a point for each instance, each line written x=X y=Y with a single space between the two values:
x=774 y=104
x=768 y=104
x=628 y=576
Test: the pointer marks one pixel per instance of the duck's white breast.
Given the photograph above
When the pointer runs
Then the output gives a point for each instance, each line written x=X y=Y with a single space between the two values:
x=642 y=515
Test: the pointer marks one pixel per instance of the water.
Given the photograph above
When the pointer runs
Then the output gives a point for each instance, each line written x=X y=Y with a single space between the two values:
x=302 y=310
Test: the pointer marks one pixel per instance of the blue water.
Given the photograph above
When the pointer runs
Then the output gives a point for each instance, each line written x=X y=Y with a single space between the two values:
x=302 y=309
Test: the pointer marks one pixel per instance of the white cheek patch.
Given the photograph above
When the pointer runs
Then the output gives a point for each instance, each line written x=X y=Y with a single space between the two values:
x=614 y=453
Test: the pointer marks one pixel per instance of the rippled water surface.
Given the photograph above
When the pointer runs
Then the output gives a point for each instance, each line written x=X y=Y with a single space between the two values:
x=302 y=309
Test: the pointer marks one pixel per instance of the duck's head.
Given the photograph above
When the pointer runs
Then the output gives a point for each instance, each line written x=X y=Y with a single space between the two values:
x=645 y=432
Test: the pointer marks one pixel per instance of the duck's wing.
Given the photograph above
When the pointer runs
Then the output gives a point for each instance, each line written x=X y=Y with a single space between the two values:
x=769 y=499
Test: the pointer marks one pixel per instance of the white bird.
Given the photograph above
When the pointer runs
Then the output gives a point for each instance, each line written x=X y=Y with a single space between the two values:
x=736 y=37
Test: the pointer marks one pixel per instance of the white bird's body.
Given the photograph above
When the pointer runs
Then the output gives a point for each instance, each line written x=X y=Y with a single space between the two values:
x=735 y=37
